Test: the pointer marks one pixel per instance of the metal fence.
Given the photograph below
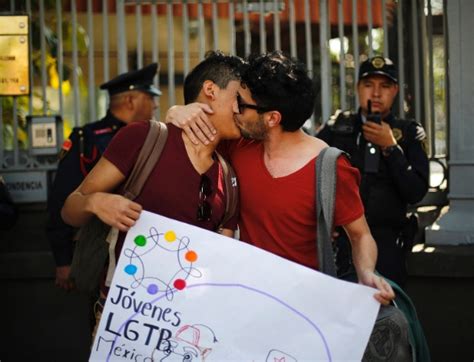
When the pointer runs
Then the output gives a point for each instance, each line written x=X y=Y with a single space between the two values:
x=76 y=45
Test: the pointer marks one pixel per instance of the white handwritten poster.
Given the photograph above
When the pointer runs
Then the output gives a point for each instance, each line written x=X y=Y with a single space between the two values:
x=181 y=293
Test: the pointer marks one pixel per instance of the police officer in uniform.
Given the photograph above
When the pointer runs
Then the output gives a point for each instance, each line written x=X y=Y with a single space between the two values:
x=390 y=155
x=132 y=98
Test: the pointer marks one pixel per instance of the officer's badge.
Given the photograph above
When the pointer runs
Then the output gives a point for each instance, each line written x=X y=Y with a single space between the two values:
x=333 y=118
x=378 y=62
x=397 y=134
x=67 y=144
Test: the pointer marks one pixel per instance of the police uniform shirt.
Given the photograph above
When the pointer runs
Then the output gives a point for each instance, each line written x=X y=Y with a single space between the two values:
x=402 y=176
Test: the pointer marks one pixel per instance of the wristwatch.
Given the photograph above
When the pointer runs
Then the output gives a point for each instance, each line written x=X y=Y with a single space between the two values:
x=387 y=151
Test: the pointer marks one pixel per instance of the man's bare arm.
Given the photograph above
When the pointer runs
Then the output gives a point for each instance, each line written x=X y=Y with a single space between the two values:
x=194 y=121
x=227 y=232
x=364 y=255
x=94 y=197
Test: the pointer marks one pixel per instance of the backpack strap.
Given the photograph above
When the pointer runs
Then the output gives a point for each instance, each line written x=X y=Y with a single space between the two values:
x=147 y=158
x=326 y=177
x=231 y=191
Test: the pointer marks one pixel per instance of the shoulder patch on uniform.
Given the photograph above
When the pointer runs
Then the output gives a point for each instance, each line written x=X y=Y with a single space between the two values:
x=67 y=144
x=420 y=132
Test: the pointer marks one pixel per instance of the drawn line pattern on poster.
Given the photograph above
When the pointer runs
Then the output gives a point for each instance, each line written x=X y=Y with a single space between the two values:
x=169 y=242
x=165 y=242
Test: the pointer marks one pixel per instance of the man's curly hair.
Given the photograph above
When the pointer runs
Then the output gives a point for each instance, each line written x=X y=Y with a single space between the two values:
x=278 y=82
x=218 y=67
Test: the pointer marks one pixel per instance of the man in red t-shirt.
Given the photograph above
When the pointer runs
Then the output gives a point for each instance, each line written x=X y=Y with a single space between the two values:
x=276 y=169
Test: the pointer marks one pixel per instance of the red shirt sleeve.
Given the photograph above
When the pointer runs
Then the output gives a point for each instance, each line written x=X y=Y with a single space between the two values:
x=349 y=205
x=124 y=148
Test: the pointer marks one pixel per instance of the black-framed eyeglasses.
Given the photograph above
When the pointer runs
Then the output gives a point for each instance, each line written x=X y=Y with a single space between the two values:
x=204 y=210
x=241 y=105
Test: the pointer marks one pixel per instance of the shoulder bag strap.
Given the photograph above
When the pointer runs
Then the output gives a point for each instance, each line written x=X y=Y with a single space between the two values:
x=149 y=154
x=231 y=191
x=326 y=178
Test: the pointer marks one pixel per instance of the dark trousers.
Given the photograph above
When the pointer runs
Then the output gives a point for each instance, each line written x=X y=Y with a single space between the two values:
x=392 y=251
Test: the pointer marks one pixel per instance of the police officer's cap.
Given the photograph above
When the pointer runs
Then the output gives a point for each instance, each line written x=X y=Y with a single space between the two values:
x=380 y=66
x=141 y=80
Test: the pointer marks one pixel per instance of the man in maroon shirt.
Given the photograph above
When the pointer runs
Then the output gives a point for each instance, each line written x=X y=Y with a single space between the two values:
x=173 y=186
x=183 y=175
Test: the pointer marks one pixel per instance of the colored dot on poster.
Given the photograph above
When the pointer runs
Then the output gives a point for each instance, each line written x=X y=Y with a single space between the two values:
x=191 y=256
x=179 y=284
x=170 y=236
x=130 y=269
x=140 y=240
x=152 y=289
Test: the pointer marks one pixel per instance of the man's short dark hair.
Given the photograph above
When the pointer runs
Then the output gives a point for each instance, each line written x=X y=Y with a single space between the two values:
x=218 y=67
x=278 y=82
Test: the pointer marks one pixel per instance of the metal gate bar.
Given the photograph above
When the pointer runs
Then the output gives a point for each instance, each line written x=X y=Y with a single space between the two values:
x=75 y=64
x=91 y=69
x=263 y=33
x=342 y=55
x=416 y=59
x=401 y=59
x=171 y=55
x=385 y=30
x=355 y=45
x=185 y=39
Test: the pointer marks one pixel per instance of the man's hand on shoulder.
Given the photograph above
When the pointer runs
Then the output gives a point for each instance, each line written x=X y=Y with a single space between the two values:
x=385 y=294
x=194 y=121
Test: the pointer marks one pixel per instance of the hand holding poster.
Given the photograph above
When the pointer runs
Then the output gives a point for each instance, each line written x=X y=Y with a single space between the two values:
x=183 y=293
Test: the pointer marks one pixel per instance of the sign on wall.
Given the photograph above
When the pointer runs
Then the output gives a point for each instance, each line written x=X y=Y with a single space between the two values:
x=27 y=187
x=14 y=55
x=183 y=293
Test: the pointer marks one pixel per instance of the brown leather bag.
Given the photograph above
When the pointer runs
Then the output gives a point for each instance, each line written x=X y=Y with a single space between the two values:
x=91 y=249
